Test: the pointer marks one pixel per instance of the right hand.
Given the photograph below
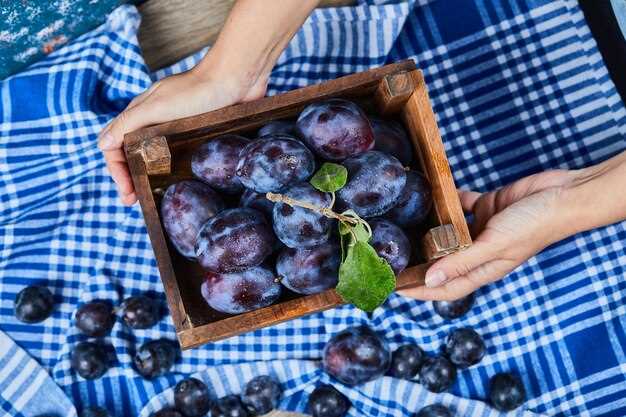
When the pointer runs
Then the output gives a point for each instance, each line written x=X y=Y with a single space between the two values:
x=175 y=97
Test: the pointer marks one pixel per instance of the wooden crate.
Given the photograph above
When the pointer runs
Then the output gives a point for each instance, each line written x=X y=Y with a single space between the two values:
x=160 y=155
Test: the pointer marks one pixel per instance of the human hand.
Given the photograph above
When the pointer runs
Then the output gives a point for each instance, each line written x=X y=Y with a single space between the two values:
x=510 y=225
x=178 y=96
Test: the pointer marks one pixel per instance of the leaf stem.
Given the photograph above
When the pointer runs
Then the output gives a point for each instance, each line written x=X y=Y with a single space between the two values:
x=281 y=198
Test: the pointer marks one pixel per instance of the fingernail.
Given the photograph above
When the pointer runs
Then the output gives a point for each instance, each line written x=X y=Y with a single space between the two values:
x=107 y=142
x=435 y=278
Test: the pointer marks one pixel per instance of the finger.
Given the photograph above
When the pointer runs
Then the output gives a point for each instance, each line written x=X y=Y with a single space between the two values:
x=468 y=199
x=118 y=168
x=462 y=286
x=129 y=120
x=459 y=264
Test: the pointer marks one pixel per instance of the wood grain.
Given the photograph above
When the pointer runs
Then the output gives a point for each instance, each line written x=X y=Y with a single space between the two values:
x=173 y=29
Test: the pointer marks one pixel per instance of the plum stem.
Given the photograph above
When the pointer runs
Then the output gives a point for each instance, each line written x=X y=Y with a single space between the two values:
x=280 y=198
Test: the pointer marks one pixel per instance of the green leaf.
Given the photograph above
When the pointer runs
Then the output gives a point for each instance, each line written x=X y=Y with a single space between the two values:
x=330 y=177
x=365 y=279
x=361 y=233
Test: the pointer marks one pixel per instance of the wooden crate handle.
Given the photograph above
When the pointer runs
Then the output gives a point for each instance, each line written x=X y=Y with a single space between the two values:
x=155 y=153
x=441 y=241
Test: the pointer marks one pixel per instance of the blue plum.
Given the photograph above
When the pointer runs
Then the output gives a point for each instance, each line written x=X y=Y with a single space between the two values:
x=278 y=126
x=192 y=397
x=89 y=360
x=95 y=318
x=261 y=395
x=375 y=183
x=464 y=347
x=335 y=129
x=185 y=207
x=229 y=406
x=299 y=227
x=257 y=201
x=435 y=410
x=215 y=162
x=437 y=374
x=414 y=203
x=454 y=309
x=140 y=312
x=309 y=270
x=234 y=240
x=326 y=401
x=356 y=355
x=391 y=138
x=274 y=162
x=506 y=391
x=391 y=244
x=33 y=304
x=155 y=358
x=239 y=292
x=406 y=361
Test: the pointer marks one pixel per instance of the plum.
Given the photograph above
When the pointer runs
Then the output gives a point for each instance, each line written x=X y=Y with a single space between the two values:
x=33 y=304
x=229 y=406
x=261 y=395
x=437 y=374
x=285 y=127
x=335 y=129
x=391 y=138
x=299 y=227
x=215 y=162
x=192 y=397
x=234 y=240
x=506 y=391
x=140 y=312
x=414 y=202
x=155 y=358
x=309 y=270
x=434 y=410
x=185 y=207
x=239 y=292
x=375 y=183
x=454 y=309
x=95 y=318
x=464 y=347
x=273 y=162
x=89 y=360
x=326 y=401
x=356 y=355
x=257 y=201
x=167 y=412
x=391 y=244
x=406 y=361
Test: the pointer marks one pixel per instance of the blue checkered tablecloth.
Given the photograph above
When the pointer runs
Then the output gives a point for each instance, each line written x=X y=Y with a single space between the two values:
x=518 y=87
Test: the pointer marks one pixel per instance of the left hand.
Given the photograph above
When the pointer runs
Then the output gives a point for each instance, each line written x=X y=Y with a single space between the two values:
x=510 y=225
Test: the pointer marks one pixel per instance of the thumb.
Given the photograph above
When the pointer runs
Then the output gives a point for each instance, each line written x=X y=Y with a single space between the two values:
x=459 y=264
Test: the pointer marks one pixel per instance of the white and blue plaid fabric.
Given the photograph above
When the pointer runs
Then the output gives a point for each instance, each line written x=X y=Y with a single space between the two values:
x=518 y=87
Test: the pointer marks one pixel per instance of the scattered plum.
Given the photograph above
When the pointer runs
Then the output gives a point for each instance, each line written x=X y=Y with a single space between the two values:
x=89 y=360
x=234 y=240
x=33 y=304
x=299 y=227
x=391 y=138
x=274 y=162
x=309 y=270
x=155 y=358
x=454 y=309
x=185 y=207
x=229 y=406
x=326 y=401
x=192 y=398
x=261 y=395
x=437 y=374
x=238 y=292
x=506 y=391
x=257 y=201
x=414 y=203
x=140 y=312
x=215 y=162
x=95 y=318
x=375 y=183
x=274 y=127
x=356 y=355
x=167 y=412
x=435 y=410
x=464 y=347
x=391 y=244
x=336 y=129
x=406 y=361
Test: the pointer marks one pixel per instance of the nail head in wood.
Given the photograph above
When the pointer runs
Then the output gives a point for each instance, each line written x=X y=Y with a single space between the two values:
x=394 y=90
x=440 y=241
